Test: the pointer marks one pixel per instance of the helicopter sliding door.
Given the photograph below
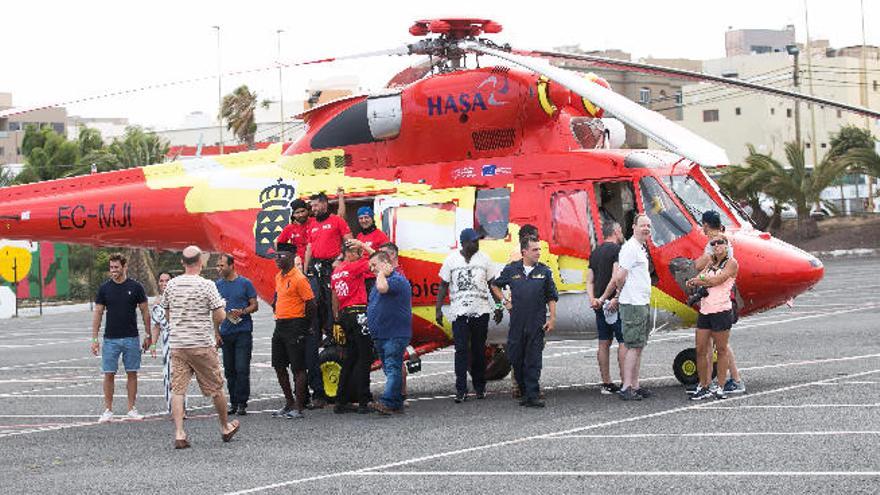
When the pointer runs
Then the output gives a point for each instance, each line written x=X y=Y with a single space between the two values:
x=572 y=233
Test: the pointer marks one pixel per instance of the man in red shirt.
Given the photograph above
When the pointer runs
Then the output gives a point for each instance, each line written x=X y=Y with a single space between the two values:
x=349 y=309
x=297 y=231
x=325 y=238
x=371 y=237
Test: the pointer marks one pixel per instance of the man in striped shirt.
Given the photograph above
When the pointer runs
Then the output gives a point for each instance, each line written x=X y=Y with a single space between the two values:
x=194 y=310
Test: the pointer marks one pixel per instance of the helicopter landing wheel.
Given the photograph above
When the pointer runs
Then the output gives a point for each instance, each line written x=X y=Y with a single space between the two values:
x=497 y=364
x=330 y=363
x=685 y=366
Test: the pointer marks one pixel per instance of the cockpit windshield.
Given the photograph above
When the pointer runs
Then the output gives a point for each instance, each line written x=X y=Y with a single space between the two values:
x=694 y=198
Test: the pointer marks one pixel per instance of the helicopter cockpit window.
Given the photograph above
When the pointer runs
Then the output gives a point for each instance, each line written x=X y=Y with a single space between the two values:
x=694 y=199
x=668 y=222
x=492 y=212
x=348 y=128
x=572 y=223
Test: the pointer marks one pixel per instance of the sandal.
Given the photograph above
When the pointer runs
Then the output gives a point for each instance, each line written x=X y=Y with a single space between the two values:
x=181 y=444
x=235 y=426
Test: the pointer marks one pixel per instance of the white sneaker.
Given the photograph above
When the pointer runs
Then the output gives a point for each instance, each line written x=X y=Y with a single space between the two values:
x=134 y=414
x=106 y=416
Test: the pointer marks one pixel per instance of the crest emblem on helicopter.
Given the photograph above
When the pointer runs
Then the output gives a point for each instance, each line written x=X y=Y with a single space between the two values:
x=273 y=217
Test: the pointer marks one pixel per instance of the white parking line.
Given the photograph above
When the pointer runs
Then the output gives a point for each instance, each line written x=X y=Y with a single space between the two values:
x=786 y=406
x=640 y=474
x=504 y=443
x=726 y=434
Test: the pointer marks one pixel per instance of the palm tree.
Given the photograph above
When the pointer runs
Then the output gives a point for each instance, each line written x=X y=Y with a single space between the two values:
x=863 y=160
x=238 y=110
x=742 y=184
x=795 y=183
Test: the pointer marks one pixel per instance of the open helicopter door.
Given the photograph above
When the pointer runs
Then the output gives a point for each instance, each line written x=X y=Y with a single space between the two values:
x=572 y=235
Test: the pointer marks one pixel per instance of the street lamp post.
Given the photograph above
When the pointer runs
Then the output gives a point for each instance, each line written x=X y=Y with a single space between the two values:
x=280 y=84
x=795 y=52
x=219 y=89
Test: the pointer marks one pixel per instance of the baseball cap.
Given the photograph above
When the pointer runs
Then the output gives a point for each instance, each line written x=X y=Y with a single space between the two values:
x=468 y=235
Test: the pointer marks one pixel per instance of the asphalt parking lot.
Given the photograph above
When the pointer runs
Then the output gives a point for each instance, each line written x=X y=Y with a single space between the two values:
x=808 y=424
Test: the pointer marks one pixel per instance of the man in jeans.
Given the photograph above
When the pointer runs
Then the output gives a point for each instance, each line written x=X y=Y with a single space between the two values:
x=389 y=318
x=237 y=332
x=466 y=275
x=120 y=296
x=633 y=279
x=194 y=310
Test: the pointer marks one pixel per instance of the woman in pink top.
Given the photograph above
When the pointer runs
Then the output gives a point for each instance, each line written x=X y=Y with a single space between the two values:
x=715 y=318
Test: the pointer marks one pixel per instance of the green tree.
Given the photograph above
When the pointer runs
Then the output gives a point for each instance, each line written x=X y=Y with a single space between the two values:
x=138 y=148
x=237 y=109
x=742 y=184
x=794 y=183
x=6 y=176
x=48 y=155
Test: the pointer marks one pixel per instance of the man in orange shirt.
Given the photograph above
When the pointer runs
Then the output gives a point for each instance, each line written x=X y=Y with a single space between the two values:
x=294 y=308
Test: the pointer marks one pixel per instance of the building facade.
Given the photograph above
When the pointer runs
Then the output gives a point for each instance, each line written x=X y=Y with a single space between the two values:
x=12 y=128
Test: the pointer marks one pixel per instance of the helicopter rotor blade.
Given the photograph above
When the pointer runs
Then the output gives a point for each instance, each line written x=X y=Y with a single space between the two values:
x=662 y=130
x=626 y=65
x=404 y=50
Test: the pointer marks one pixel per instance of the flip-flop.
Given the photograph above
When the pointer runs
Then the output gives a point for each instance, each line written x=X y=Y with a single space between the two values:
x=181 y=444
x=228 y=436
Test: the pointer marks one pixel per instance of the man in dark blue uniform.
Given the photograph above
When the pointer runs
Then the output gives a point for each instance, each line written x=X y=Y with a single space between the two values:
x=532 y=290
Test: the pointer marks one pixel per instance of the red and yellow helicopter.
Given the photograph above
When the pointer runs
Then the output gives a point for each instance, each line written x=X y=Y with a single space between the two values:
x=447 y=145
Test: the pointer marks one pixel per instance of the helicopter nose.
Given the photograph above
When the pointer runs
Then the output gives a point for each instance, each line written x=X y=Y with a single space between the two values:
x=772 y=272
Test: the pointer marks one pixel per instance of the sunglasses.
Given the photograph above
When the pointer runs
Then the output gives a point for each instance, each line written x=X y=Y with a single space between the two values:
x=716 y=243
x=282 y=255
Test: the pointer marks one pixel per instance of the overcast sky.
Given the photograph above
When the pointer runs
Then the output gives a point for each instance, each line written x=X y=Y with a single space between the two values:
x=58 y=51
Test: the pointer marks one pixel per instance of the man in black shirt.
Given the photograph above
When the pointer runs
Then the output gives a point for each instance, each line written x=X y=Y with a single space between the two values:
x=120 y=296
x=603 y=263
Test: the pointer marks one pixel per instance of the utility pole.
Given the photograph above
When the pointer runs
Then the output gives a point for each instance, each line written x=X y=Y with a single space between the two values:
x=863 y=83
x=280 y=84
x=219 y=89
x=795 y=52
x=813 y=143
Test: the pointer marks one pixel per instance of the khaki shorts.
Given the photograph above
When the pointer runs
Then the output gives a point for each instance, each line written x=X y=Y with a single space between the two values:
x=635 y=320
x=204 y=362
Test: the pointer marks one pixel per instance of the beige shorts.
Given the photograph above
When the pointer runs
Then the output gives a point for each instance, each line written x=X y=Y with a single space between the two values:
x=204 y=362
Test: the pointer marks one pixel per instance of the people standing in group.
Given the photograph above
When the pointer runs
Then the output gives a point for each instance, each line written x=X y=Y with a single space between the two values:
x=532 y=293
x=160 y=329
x=237 y=332
x=120 y=296
x=326 y=236
x=297 y=231
x=389 y=318
x=633 y=280
x=715 y=319
x=350 y=310
x=371 y=237
x=294 y=308
x=712 y=226
x=195 y=310
x=393 y=253
x=603 y=263
x=465 y=275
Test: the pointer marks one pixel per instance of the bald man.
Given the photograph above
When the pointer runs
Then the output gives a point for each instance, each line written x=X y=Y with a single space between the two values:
x=194 y=310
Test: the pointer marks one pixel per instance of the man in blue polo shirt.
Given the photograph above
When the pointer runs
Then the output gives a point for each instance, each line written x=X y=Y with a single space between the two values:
x=120 y=296
x=236 y=332
x=389 y=318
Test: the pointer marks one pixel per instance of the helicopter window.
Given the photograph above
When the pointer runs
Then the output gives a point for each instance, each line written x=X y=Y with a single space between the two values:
x=348 y=128
x=668 y=222
x=572 y=222
x=694 y=199
x=428 y=227
x=616 y=203
x=492 y=212
x=590 y=133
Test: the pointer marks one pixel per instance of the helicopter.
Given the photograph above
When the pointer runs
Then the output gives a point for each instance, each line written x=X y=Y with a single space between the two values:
x=446 y=145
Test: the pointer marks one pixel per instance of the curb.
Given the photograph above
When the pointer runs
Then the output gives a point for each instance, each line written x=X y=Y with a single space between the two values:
x=846 y=253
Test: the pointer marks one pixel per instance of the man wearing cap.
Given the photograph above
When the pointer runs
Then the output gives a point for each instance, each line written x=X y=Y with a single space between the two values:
x=371 y=237
x=294 y=307
x=712 y=227
x=603 y=263
x=532 y=292
x=297 y=231
x=465 y=275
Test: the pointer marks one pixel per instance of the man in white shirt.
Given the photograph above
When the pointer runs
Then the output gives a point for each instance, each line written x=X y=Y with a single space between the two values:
x=633 y=280
x=465 y=276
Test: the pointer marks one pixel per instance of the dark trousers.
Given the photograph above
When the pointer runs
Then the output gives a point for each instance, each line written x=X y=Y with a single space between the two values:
x=322 y=322
x=469 y=334
x=525 y=349
x=237 y=348
x=354 y=380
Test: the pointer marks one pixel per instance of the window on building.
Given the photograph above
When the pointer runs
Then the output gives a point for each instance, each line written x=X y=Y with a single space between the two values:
x=492 y=212
x=710 y=115
x=738 y=111
x=788 y=112
x=2 y=151
x=772 y=111
x=668 y=222
x=840 y=114
x=876 y=86
x=58 y=127
x=807 y=145
x=15 y=126
x=645 y=96
x=823 y=145
x=572 y=222
x=679 y=98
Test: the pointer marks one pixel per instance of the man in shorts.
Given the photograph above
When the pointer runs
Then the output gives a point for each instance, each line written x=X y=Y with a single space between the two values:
x=603 y=263
x=633 y=278
x=194 y=310
x=294 y=308
x=120 y=296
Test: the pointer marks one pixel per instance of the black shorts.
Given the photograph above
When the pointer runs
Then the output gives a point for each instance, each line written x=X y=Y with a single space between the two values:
x=717 y=322
x=289 y=343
